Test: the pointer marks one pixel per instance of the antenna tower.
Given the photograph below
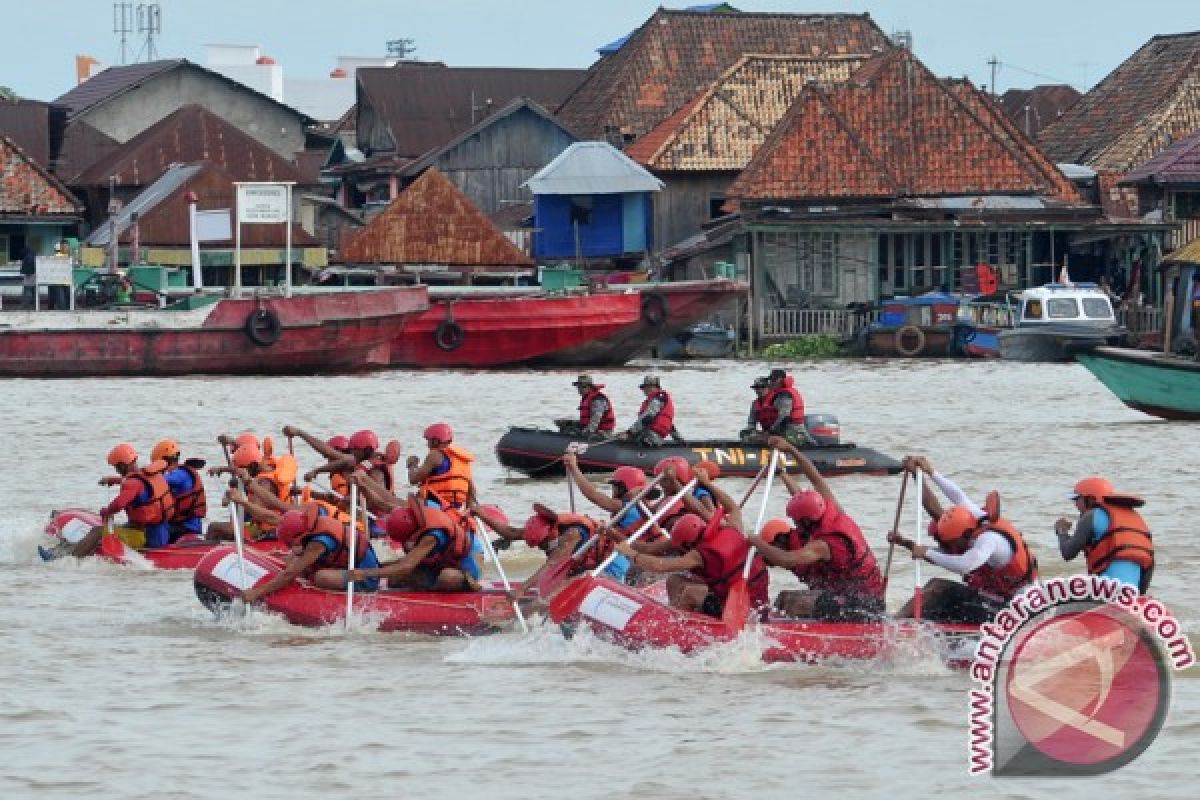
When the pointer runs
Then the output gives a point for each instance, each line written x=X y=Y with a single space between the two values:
x=401 y=48
x=149 y=25
x=123 y=26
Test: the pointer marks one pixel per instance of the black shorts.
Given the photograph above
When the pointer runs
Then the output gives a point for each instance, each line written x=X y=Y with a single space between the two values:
x=838 y=607
x=712 y=605
x=957 y=602
x=425 y=579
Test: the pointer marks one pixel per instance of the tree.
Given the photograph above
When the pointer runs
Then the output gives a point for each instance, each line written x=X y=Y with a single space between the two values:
x=7 y=93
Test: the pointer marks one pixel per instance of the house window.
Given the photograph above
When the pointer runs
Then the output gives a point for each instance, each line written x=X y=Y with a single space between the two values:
x=715 y=201
x=1187 y=205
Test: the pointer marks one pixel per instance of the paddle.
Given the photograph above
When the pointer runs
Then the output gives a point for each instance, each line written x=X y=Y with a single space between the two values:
x=737 y=602
x=887 y=567
x=235 y=517
x=917 y=587
x=566 y=601
x=491 y=551
x=350 y=552
x=111 y=545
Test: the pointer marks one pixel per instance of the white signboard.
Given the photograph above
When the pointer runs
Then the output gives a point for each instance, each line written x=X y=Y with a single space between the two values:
x=54 y=270
x=213 y=226
x=608 y=607
x=266 y=203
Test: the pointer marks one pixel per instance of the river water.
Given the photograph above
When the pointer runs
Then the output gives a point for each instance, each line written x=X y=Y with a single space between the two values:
x=117 y=683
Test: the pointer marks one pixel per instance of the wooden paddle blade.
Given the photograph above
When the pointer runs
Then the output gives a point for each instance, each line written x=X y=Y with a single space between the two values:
x=567 y=602
x=112 y=547
x=391 y=453
x=991 y=505
x=543 y=511
x=737 y=607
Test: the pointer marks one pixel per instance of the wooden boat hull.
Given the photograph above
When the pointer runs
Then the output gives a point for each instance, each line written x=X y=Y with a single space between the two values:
x=1162 y=385
x=538 y=454
x=317 y=332
x=218 y=579
x=603 y=328
x=633 y=619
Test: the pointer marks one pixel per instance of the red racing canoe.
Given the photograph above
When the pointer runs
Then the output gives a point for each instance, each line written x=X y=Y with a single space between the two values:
x=219 y=579
x=72 y=524
x=635 y=619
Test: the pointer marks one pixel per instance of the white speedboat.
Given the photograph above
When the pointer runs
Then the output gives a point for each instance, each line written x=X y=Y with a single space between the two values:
x=1058 y=319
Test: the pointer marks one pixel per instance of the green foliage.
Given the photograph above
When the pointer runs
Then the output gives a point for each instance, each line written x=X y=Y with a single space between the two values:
x=7 y=93
x=817 y=346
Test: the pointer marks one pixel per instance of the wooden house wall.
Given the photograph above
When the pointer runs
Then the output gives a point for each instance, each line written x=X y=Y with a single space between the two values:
x=682 y=207
x=371 y=133
x=787 y=270
x=490 y=166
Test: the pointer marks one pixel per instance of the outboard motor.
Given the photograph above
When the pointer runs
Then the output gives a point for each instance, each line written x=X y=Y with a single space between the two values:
x=824 y=429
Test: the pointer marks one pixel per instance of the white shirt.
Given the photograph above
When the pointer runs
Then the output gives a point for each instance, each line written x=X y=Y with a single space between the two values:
x=990 y=548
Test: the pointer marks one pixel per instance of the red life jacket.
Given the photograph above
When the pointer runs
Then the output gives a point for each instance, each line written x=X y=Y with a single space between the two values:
x=192 y=504
x=1019 y=572
x=160 y=506
x=608 y=422
x=788 y=387
x=665 y=421
x=765 y=414
x=1128 y=539
x=596 y=553
x=452 y=486
x=431 y=519
x=851 y=567
x=322 y=525
x=724 y=552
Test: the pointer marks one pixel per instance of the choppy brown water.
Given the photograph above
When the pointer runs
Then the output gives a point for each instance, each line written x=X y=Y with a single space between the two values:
x=117 y=683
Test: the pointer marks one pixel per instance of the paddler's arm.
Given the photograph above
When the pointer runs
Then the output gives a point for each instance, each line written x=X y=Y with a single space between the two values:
x=266 y=497
x=501 y=528
x=419 y=471
x=327 y=452
x=595 y=496
x=807 y=467
x=649 y=563
x=378 y=497
x=343 y=463
x=295 y=568
x=1071 y=543
x=130 y=489
x=733 y=512
x=567 y=543
x=398 y=569
x=790 y=559
x=259 y=513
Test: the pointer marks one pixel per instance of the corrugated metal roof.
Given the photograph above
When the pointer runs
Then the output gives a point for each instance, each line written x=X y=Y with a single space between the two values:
x=1188 y=254
x=1076 y=172
x=83 y=146
x=171 y=179
x=1033 y=109
x=1179 y=163
x=592 y=168
x=27 y=189
x=190 y=133
x=27 y=124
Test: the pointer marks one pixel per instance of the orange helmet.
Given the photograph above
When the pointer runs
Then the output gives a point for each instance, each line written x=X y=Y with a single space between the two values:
x=773 y=529
x=364 y=440
x=402 y=524
x=806 y=506
x=538 y=529
x=244 y=456
x=244 y=440
x=439 y=431
x=122 y=454
x=955 y=523
x=687 y=530
x=631 y=478
x=167 y=448
x=679 y=464
x=1094 y=487
x=291 y=525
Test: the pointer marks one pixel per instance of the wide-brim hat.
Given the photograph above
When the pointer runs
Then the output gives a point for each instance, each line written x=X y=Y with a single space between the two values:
x=649 y=380
x=583 y=380
x=760 y=383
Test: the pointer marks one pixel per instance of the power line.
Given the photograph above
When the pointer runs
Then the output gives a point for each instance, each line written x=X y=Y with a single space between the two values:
x=1034 y=74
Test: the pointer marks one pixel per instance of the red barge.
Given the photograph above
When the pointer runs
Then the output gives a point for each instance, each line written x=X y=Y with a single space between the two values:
x=604 y=327
x=309 y=332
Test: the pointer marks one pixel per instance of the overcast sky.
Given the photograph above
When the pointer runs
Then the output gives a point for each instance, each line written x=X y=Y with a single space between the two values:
x=1036 y=41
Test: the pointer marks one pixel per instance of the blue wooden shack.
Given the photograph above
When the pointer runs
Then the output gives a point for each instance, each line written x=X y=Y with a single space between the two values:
x=592 y=202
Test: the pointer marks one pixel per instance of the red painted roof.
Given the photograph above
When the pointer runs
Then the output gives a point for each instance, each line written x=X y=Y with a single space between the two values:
x=27 y=189
x=676 y=54
x=1149 y=101
x=896 y=130
x=432 y=222
x=191 y=133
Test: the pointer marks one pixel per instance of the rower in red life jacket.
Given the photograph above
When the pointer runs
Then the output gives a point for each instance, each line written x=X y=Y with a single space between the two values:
x=826 y=550
x=446 y=472
x=713 y=554
x=656 y=417
x=788 y=408
x=1112 y=536
x=558 y=535
x=762 y=413
x=145 y=498
x=596 y=414
x=438 y=551
x=360 y=452
x=320 y=549
x=625 y=482
x=977 y=543
x=247 y=462
x=187 y=487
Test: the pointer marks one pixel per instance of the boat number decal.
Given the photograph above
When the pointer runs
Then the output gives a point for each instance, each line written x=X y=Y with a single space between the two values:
x=75 y=530
x=229 y=570
x=609 y=607
x=740 y=456
x=850 y=462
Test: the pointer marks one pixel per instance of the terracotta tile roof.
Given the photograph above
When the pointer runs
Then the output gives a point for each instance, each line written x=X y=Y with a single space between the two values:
x=27 y=189
x=895 y=130
x=676 y=54
x=1149 y=101
x=191 y=133
x=1179 y=163
x=1034 y=109
x=721 y=127
x=425 y=105
x=432 y=222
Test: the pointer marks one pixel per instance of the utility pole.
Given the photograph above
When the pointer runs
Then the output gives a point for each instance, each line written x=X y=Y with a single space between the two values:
x=123 y=26
x=993 y=63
